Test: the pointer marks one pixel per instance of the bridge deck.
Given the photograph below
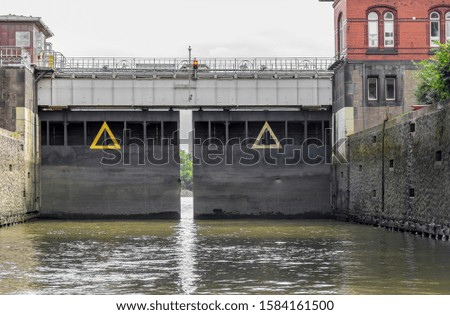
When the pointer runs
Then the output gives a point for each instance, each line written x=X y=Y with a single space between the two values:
x=130 y=82
x=163 y=83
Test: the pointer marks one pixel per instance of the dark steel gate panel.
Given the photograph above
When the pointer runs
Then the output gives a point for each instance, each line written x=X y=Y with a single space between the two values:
x=282 y=172
x=139 y=180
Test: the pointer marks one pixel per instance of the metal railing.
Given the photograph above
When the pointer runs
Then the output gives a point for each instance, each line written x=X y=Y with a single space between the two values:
x=14 y=57
x=17 y=56
x=179 y=65
x=51 y=59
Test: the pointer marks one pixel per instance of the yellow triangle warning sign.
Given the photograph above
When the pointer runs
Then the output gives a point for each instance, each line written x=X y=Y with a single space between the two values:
x=96 y=146
x=257 y=144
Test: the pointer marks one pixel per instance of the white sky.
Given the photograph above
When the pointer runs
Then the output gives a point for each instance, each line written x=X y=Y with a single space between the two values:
x=165 y=28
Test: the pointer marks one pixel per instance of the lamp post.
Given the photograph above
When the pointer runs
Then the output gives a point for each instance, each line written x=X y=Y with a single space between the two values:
x=189 y=73
x=190 y=50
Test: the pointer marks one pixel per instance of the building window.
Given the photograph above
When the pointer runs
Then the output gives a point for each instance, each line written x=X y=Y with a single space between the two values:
x=435 y=29
x=389 y=29
x=390 y=89
x=438 y=156
x=340 y=35
x=373 y=29
x=391 y=164
x=373 y=88
x=447 y=26
x=23 y=39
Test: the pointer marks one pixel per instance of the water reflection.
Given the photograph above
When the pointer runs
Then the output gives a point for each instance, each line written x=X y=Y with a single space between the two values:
x=17 y=258
x=218 y=257
x=186 y=236
x=268 y=257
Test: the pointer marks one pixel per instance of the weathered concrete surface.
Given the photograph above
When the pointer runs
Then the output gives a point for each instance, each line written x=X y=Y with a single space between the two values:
x=18 y=116
x=12 y=179
x=399 y=179
x=12 y=87
x=350 y=92
x=235 y=181
x=77 y=184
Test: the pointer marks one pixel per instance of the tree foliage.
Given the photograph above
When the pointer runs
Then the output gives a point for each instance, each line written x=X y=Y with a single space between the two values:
x=186 y=170
x=434 y=77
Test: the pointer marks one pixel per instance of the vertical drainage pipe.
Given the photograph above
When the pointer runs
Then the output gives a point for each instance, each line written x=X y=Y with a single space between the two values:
x=383 y=165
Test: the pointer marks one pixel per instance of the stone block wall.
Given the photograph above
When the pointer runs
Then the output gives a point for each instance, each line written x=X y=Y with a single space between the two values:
x=398 y=174
x=12 y=178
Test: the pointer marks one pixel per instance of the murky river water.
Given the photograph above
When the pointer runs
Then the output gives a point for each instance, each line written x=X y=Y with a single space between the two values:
x=218 y=257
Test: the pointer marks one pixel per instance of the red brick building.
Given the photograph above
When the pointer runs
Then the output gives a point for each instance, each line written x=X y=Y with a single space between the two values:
x=377 y=44
x=390 y=29
x=30 y=33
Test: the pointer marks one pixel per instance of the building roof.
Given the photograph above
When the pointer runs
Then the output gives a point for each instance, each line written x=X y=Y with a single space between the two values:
x=21 y=18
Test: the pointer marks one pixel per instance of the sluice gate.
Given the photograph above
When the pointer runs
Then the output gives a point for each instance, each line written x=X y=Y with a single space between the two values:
x=262 y=164
x=246 y=164
x=128 y=167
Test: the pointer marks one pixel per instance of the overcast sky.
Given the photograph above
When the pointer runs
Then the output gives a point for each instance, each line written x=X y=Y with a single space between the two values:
x=165 y=28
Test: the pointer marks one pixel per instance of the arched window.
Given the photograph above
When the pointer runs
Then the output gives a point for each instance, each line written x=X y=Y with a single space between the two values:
x=388 y=29
x=447 y=26
x=435 y=29
x=340 y=35
x=373 y=29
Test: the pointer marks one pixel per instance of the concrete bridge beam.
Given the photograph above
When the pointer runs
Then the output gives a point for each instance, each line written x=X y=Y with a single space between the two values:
x=88 y=92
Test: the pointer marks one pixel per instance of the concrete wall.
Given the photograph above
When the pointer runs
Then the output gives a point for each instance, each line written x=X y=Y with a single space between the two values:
x=354 y=112
x=232 y=180
x=12 y=178
x=18 y=117
x=78 y=182
x=398 y=174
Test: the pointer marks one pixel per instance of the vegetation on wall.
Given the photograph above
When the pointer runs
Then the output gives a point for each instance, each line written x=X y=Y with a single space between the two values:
x=186 y=170
x=434 y=77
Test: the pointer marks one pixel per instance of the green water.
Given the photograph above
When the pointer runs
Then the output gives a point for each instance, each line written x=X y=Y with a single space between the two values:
x=219 y=257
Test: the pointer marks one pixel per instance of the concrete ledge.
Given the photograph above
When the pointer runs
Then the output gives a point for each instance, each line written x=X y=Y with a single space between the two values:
x=80 y=216
x=429 y=230
x=17 y=219
x=264 y=216
x=340 y=217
